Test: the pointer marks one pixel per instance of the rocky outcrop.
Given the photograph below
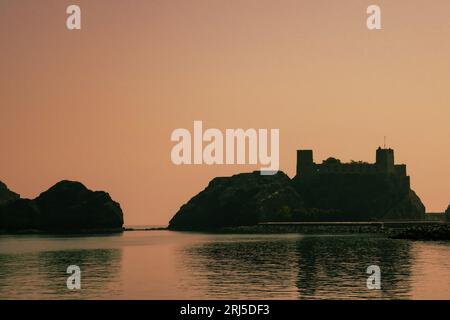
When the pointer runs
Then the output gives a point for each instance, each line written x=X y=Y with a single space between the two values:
x=241 y=200
x=354 y=197
x=250 y=198
x=447 y=214
x=410 y=207
x=7 y=195
x=18 y=215
x=68 y=206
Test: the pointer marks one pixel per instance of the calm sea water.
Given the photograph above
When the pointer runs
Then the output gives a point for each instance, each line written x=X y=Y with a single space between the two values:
x=173 y=265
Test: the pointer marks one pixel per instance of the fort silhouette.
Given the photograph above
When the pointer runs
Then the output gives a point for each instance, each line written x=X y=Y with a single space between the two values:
x=331 y=191
x=384 y=165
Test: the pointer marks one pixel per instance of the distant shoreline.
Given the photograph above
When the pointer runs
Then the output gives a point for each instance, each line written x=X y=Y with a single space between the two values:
x=411 y=230
x=62 y=232
x=333 y=227
x=144 y=228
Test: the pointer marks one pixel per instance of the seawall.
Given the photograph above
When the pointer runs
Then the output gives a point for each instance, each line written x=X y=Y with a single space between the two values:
x=327 y=227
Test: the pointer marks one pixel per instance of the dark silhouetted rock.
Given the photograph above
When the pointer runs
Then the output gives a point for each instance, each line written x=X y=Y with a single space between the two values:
x=19 y=215
x=7 y=195
x=68 y=206
x=447 y=214
x=410 y=207
x=358 y=197
x=249 y=198
x=243 y=199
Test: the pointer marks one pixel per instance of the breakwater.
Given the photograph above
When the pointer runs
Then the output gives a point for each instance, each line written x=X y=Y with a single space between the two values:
x=329 y=227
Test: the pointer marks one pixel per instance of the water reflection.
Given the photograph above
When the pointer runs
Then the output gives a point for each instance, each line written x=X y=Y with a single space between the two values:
x=293 y=267
x=43 y=274
x=242 y=267
x=172 y=265
x=335 y=268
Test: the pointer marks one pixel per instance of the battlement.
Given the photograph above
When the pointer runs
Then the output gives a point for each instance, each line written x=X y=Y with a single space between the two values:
x=384 y=165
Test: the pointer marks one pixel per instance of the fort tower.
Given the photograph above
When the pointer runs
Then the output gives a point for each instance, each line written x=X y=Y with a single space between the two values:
x=385 y=160
x=305 y=163
x=384 y=165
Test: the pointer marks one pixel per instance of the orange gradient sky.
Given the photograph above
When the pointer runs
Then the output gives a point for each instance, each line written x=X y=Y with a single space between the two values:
x=98 y=105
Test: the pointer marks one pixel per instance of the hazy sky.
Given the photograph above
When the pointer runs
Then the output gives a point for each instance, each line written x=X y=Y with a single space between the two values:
x=98 y=105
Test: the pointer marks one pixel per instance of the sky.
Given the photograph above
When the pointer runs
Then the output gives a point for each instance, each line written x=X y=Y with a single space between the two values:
x=98 y=105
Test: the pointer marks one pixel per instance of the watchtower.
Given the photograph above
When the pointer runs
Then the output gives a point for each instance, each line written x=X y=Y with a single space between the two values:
x=385 y=160
x=305 y=163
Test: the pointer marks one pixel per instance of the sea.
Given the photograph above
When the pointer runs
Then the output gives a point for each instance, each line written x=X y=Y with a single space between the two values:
x=161 y=264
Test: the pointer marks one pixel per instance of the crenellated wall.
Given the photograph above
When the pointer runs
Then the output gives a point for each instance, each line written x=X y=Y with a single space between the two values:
x=384 y=164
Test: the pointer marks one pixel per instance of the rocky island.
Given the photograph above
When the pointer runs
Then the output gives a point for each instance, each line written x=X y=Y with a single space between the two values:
x=330 y=191
x=7 y=195
x=67 y=207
